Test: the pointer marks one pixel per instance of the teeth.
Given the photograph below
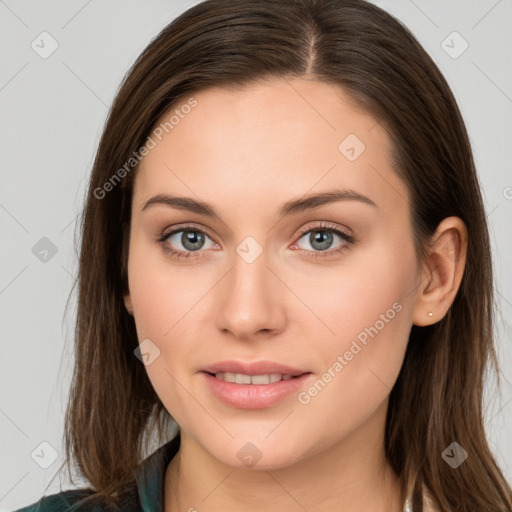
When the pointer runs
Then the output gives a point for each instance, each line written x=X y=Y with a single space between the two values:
x=241 y=378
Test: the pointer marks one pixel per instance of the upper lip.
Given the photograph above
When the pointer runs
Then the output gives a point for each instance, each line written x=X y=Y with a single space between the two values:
x=253 y=368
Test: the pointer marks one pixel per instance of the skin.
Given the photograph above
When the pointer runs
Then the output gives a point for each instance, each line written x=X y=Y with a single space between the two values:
x=246 y=153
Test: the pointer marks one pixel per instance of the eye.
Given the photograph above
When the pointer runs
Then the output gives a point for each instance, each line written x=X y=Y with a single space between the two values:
x=187 y=240
x=321 y=238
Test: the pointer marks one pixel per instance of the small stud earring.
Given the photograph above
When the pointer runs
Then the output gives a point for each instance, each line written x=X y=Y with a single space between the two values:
x=430 y=313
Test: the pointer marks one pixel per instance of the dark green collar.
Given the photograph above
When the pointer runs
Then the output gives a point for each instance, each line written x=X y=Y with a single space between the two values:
x=151 y=476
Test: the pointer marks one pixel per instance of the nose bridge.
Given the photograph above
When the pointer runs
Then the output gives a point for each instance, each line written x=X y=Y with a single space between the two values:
x=250 y=295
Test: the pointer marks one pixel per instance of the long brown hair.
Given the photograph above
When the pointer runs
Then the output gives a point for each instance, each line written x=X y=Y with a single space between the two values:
x=113 y=411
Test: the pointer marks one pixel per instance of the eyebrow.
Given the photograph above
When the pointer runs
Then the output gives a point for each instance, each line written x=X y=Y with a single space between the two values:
x=289 y=208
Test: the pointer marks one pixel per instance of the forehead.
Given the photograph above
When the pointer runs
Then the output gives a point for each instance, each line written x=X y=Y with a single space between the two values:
x=268 y=141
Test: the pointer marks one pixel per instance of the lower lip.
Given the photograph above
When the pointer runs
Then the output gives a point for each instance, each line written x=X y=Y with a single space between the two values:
x=253 y=396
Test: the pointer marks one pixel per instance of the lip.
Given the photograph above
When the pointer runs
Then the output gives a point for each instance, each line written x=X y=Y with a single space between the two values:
x=253 y=368
x=253 y=396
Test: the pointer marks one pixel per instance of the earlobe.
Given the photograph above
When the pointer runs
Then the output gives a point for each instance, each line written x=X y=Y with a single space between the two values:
x=128 y=303
x=442 y=276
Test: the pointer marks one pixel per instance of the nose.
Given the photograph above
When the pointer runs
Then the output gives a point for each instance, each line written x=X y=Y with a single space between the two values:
x=251 y=300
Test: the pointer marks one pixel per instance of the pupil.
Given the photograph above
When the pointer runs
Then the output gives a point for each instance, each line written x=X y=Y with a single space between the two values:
x=323 y=238
x=192 y=240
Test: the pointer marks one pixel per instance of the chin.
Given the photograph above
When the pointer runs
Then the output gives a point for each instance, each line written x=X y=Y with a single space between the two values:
x=258 y=454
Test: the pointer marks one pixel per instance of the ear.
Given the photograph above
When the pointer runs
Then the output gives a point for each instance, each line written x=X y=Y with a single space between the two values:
x=128 y=303
x=441 y=277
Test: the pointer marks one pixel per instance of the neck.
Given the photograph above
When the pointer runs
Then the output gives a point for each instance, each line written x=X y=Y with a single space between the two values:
x=350 y=476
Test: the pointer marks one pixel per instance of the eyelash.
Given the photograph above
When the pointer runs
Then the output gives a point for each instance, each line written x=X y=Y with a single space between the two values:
x=324 y=226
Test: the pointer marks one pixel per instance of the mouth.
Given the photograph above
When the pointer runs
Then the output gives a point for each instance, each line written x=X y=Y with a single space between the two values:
x=242 y=378
x=244 y=370
x=253 y=385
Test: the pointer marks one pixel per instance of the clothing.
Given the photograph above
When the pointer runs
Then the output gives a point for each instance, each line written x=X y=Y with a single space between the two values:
x=148 y=496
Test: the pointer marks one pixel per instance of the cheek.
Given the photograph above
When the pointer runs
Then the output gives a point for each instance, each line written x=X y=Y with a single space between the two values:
x=161 y=294
x=366 y=290
x=360 y=367
x=161 y=312
x=372 y=325
x=166 y=302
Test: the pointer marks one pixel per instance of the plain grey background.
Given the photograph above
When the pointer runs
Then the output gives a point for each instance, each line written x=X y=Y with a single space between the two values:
x=53 y=110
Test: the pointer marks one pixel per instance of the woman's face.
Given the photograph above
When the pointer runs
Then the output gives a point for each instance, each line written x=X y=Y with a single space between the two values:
x=263 y=278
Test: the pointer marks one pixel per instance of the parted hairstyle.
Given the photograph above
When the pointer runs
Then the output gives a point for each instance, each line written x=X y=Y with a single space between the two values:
x=113 y=411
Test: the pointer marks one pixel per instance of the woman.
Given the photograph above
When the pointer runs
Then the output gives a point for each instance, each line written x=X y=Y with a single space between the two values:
x=285 y=256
